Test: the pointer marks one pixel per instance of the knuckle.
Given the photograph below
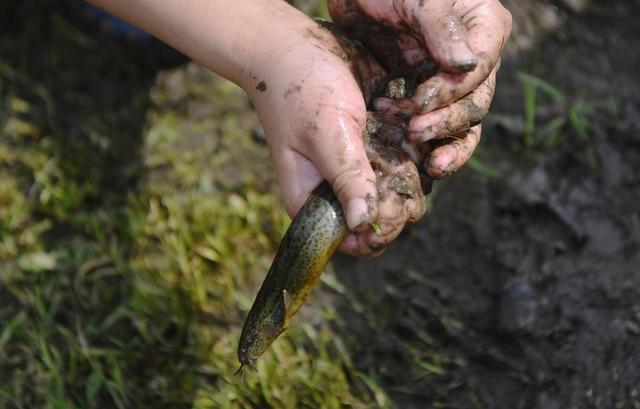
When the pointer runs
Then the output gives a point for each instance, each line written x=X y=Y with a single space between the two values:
x=344 y=177
x=451 y=119
x=471 y=113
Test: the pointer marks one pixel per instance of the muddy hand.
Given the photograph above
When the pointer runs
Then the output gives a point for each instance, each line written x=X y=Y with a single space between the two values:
x=308 y=92
x=464 y=38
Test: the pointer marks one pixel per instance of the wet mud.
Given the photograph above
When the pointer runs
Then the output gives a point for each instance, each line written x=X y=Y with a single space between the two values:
x=521 y=287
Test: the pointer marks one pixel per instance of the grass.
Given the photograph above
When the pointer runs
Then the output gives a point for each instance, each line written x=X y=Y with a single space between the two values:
x=137 y=218
x=551 y=119
x=138 y=215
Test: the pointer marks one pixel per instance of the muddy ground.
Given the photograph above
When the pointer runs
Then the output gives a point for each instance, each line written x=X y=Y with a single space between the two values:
x=521 y=287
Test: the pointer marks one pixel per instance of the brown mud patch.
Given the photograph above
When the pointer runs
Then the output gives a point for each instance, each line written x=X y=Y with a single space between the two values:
x=520 y=289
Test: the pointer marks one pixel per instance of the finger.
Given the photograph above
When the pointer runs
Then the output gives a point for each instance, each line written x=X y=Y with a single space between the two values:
x=349 y=245
x=368 y=243
x=489 y=25
x=297 y=176
x=456 y=117
x=336 y=148
x=395 y=211
x=354 y=245
x=444 y=33
x=394 y=214
x=450 y=157
x=401 y=202
x=402 y=108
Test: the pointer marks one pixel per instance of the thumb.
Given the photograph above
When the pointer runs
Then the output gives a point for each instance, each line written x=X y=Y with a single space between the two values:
x=338 y=152
x=444 y=33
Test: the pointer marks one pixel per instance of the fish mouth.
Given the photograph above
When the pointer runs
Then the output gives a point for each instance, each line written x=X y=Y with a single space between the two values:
x=246 y=362
x=245 y=358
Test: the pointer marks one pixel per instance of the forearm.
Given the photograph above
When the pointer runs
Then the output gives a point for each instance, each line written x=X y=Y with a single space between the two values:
x=227 y=36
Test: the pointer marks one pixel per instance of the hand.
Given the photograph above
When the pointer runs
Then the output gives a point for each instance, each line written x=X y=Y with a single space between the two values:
x=305 y=89
x=465 y=38
x=307 y=92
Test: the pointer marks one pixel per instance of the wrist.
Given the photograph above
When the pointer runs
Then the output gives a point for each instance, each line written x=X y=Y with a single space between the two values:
x=231 y=37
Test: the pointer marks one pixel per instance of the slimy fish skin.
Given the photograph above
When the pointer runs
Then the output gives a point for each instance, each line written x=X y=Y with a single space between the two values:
x=313 y=237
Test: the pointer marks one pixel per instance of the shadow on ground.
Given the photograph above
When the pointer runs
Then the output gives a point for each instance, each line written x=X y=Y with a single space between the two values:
x=74 y=107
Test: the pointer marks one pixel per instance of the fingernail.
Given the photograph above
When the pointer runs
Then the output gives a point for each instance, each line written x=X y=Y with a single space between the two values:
x=375 y=252
x=428 y=133
x=357 y=215
x=429 y=98
x=447 y=167
x=449 y=170
x=436 y=167
x=466 y=65
x=350 y=241
x=462 y=58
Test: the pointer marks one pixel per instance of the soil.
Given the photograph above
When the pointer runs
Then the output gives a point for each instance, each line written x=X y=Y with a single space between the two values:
x=521 y=287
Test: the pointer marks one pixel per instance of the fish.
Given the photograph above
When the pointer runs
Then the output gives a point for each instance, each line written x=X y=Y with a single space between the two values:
x=311 y=240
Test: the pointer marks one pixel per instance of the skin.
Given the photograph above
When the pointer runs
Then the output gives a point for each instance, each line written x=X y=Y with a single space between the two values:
x=465 y=39
x=307 y=95
x=320 y=226
x=312 y=238
x=311 y=88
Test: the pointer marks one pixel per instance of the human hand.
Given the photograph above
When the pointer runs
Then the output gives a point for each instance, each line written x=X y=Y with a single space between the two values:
x=304 y=87
x=308 y=92
x=465 y=38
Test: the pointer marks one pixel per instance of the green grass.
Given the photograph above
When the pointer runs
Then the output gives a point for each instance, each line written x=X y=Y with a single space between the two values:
x=138 y=216
x=118 y=306
x=137 y=219
x=551 y=119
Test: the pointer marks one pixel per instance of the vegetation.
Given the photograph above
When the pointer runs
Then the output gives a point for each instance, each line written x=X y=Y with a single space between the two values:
x=139 y=213
x=551 y=119
x=136 y=224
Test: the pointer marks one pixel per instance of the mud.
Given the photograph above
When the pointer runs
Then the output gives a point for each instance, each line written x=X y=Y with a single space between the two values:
x=521 y=287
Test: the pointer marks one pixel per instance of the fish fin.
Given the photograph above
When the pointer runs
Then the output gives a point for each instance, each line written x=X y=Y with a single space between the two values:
x=286 y=298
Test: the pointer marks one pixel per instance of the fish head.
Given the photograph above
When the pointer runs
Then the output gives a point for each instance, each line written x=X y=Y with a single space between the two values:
x=256 y=338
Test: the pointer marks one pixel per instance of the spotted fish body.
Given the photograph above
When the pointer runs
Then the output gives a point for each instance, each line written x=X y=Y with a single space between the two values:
x=314 y=235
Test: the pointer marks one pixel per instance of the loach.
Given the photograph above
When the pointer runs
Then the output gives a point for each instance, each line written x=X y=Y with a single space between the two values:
x=319 y=227
x=314 y=235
